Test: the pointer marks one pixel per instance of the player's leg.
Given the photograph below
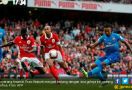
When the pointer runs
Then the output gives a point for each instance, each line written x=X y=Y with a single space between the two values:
x=92 y=66
x=38 y=67
x=18 y=63
x=53 y=69
x=97 y=68
x=101 y=63
x=97 y=71
x=100 y=75
x=62 y=63
x=25 y=65
x=37 y=71
x=112 y=58
x=65 y=67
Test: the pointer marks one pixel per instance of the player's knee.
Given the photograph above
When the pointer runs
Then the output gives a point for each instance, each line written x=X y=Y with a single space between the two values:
x=24 y=66
x=98 y=63
x=93 y=65
x=40 y=69
x=62 y=64
x=50 y=62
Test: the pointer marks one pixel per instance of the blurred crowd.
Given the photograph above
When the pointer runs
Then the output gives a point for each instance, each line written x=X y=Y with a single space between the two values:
x=110 y=1
x=75 y=38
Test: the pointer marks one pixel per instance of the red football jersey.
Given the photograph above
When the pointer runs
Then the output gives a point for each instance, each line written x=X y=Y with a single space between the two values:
x=25 y=45
x=50 y=43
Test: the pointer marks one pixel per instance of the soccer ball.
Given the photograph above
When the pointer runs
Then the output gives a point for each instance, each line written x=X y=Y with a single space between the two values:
x=53 y=53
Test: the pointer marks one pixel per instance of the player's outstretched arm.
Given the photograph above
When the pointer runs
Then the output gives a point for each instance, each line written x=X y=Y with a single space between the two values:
x=128 y=45
x=8 y=44
x=94 y=45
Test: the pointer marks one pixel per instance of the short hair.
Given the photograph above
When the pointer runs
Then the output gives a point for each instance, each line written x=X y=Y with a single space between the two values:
x=47 y=26
x=107 y=25
x=23 y=31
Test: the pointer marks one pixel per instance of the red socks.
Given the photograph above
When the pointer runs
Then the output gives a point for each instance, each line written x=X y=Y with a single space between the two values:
x=36 y=72
x=54 y=72
x=27 y=74
x=21 y=73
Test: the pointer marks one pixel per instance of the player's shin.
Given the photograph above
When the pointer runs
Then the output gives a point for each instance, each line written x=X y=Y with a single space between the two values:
x=24 y=65
x=38 y=70
x=54 y=72
x=34 y=72
x=21 y=73
x=96 y=70
x=53 y=69
x=102 y=79
x=65 y=67
x=84 y=72
x=101 y=76
x=27 y=75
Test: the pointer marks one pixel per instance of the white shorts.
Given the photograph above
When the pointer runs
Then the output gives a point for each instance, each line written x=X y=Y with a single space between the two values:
x=34 y=61
x=19 y=63
x=58 y=59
